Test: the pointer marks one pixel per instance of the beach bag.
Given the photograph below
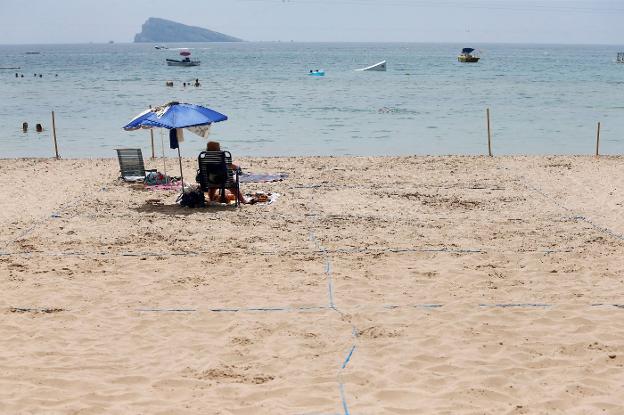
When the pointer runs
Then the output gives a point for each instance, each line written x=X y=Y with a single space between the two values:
x=193 y=198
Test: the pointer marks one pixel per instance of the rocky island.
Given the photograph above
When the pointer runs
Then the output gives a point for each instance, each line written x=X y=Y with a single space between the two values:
x=157 y=30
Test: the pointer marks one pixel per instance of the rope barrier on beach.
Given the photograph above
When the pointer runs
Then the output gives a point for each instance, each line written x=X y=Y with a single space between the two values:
x=369 y=307
x=535 y=306
x=57 y=214
x=345 y=251
x=600 y=228
x=576 y=216
x=313 y=217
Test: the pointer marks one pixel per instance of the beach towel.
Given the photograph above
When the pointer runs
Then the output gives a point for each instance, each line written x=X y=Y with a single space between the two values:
x=262 y=177
x=155 y=178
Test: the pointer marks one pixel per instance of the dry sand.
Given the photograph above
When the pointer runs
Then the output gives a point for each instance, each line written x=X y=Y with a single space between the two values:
x=416 y=285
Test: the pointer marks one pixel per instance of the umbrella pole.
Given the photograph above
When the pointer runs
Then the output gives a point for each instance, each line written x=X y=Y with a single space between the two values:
x=162 y=144
x=180 y=161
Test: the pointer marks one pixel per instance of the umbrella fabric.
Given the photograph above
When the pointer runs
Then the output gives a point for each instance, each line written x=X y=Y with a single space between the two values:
x=200 y=130
x=175 y=115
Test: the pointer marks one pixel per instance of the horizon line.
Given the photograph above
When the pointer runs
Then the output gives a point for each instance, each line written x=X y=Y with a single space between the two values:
x=312 y=41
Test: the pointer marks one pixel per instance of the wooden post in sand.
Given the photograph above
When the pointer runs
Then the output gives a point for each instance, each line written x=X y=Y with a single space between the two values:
x=487 y=112
x=598 y=140
x=152 y=140
x=54 y=136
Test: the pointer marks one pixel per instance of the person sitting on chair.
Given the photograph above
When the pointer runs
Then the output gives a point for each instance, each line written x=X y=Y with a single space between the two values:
x=212 y=193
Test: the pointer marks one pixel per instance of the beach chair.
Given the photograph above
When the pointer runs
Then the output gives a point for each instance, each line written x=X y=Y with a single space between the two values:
x=213 y=173
x=131 y=164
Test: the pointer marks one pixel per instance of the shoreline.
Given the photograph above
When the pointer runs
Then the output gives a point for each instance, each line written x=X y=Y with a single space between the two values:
x=409 y=156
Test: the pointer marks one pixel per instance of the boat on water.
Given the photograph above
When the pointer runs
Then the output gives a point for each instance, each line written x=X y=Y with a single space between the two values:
x=467 y=55
x=32 y=53
x=317 y=72
x=160 y=47
x=620 y=57
x=379 y=67
x=185 y=61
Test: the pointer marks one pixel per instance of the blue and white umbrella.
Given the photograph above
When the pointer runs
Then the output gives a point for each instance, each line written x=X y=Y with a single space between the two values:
x=176 y=115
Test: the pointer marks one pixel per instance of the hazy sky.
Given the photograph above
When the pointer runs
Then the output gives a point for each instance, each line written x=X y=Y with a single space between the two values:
x=544 y=21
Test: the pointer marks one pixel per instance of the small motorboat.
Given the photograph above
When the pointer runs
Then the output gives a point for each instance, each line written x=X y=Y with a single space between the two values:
x=316 y=72
x=160 y=47
x=467 y=55
x=379 y=67
x=185 y=61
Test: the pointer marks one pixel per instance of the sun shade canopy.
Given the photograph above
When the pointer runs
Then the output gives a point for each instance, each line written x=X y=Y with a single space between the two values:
x=175 y=115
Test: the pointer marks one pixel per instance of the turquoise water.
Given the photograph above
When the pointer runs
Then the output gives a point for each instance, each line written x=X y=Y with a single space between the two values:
x=543 y=99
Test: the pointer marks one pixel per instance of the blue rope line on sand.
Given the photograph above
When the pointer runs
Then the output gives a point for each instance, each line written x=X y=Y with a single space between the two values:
x=346 y=361
x=354 y=331
x=518 y=305
x=328 y=269
x=603 y=229
x=36 y=309
x=330 y=283
x=53 y=215
x=332 y=305
x=392 y=306
x=235 y=309
x=166 y=310
x=344 y=400
x=599 y=228
x=315 y=413
x=318 y=251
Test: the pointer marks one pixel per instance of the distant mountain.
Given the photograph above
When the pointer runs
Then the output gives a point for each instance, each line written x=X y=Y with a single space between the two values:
x=157 y=30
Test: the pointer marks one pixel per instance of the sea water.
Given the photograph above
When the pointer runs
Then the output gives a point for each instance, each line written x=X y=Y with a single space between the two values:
x=544 y=99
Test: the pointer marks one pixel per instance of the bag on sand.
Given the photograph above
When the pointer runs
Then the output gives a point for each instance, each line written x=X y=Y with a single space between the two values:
x=193 y=198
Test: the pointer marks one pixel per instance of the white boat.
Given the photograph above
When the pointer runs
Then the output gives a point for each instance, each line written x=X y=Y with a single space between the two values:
x=183 y=62
x=160 y=47
x=380 y=66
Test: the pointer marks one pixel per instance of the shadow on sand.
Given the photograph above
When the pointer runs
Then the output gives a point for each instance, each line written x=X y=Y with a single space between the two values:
x=177 y=210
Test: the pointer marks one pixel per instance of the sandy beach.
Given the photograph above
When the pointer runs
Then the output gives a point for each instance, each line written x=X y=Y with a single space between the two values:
x=373 y=285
